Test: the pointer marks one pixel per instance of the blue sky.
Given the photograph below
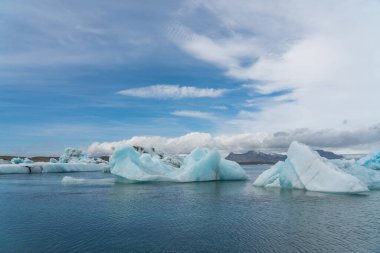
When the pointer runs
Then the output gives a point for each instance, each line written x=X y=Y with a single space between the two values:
x=69 y=71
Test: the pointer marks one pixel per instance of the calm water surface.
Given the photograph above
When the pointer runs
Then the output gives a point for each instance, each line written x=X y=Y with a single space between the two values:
x=39 y=214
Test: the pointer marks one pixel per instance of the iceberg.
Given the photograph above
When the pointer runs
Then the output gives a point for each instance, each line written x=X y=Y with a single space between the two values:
x=18 y=160
x=201 y=164
x=371 y=161
x=72 y=160
x=2 y=161
x=43 y=167
x=370 y=177
x=15 y=169
x=83 y=181
x=71 y=167
x=53 y=160
x=305 y=169
x=72 y=155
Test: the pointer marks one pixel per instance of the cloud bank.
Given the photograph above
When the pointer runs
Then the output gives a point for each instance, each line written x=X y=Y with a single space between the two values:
x=347 y=141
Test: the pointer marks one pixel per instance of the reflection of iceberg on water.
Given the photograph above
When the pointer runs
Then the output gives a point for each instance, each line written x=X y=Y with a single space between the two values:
x=201 y=165
x=305 y=169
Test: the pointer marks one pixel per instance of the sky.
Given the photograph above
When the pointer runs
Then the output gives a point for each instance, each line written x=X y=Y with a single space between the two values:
x=232 y=75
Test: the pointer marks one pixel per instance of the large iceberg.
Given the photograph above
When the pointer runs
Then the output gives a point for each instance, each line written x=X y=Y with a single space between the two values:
x=306 y=169
x=201 y=165
x=371 y=161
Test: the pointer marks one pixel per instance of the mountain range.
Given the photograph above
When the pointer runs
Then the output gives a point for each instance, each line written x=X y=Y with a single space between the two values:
x=255 y=157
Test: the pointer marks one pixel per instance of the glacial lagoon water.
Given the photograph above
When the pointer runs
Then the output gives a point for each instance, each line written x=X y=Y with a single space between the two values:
x=40 y=214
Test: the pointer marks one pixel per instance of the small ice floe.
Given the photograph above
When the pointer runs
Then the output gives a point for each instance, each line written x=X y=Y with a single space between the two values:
x=67 y=180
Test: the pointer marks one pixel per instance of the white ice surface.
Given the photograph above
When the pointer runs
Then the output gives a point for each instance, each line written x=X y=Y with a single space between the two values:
x=67 y=180
x=201 y=165
x=306 y=169
x=49 y=168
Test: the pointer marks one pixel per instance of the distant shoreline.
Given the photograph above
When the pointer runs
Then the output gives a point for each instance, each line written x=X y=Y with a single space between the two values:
x=256 y=163
x=40 y=158
x=106 y=158
x=33 y=158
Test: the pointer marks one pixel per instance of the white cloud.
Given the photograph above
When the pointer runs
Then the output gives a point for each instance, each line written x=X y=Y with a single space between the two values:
x=357 y=140
x=224 y=53
x=219 y=107
x=166 y=91
x=325 y=52
x=194 y=114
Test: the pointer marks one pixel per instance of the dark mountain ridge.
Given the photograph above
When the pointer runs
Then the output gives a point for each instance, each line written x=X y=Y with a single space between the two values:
x=255 y=157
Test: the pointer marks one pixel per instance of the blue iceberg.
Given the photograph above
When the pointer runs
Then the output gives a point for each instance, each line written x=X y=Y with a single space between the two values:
x=305 y=169
x=371 y=161
x=201 y=165
x=18 y=160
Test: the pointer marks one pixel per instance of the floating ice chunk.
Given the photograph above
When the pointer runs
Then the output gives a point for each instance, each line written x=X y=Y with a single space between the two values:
x=50 y=168
x=305 y=169
x=370 y=177
x=71 y=167
x=200 y=165
x=72 y=180
x=27 y=160
x=18 y=160
x=371 y=161
x=23 y=168
x=53 y=160
x=13 y=169
x=72 y=155
x=133 y=166
x=82 y=181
